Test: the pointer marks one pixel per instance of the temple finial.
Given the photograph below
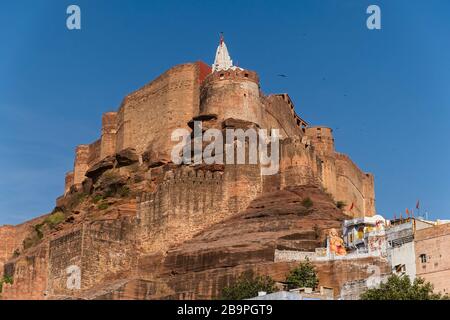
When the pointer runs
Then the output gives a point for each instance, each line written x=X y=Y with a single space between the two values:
x=223 y=60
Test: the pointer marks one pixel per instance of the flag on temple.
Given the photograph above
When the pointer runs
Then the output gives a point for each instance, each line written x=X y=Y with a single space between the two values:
x=418 y=204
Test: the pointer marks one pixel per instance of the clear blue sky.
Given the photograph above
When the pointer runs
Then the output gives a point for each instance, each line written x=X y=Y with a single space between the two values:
x=386 y=93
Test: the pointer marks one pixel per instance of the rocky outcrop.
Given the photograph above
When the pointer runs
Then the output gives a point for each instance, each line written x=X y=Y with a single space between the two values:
x=98 y=169
x=127 y=157
x=202 y=266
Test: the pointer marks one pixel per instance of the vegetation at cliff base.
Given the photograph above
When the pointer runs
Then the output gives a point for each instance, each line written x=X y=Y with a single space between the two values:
x=97 y=198
x=103 y=206
x=307 y=203
x=247 y=286
x=303 y=276
x=402 y=288
x=37 y=233
x=5 y=279
x=54 y=219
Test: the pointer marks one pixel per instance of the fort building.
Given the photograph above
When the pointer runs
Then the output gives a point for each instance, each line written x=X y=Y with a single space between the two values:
x=218 y=96
x=177 y=231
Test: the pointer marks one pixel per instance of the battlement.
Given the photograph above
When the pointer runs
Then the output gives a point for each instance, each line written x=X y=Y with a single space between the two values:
x=175 y=212
x=349 y=161
x=81 y=163
x=280 y=114
x=192 y=178
x=109 y=131
x=232 y=75
x=354 y=186
x=322 y=138
x=109 y=122
x=300 y=122
x=188 y=200
x=68 y=183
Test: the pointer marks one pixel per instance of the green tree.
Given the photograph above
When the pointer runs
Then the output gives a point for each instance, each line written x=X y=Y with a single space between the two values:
x=401 y=288
x=5 y=279
x=304 y=276
x=247 y=286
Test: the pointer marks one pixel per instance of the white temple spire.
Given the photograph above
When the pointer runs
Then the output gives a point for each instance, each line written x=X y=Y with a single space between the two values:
x=223 y=60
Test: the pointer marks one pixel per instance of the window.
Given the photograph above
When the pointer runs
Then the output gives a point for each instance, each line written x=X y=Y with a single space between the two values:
x=423 y=258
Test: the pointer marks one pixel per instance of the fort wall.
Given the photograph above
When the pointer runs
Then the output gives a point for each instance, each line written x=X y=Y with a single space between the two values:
x=109 y=132
x=109 y=251
x=279 y=114
x=340 y=176
x=8 y=244
x=86 y=155
x=69 y=181
x=354 y=186
x=11 y=239
x=30 y=275
x=148 y=116
x=171 y=215
x=298 y=164
x=99 y=250
x=94 y=152
x=81 y=163
x=102 y=250
x=64 y=251
x=322 y=139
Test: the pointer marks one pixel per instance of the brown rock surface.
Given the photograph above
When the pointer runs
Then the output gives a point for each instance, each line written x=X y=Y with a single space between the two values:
x=99 y=168
x=127 y=157
x=201 y=267
x=273 y=220
x=248 y=240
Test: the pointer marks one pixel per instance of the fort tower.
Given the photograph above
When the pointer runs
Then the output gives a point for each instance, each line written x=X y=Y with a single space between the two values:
x=230 y=91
